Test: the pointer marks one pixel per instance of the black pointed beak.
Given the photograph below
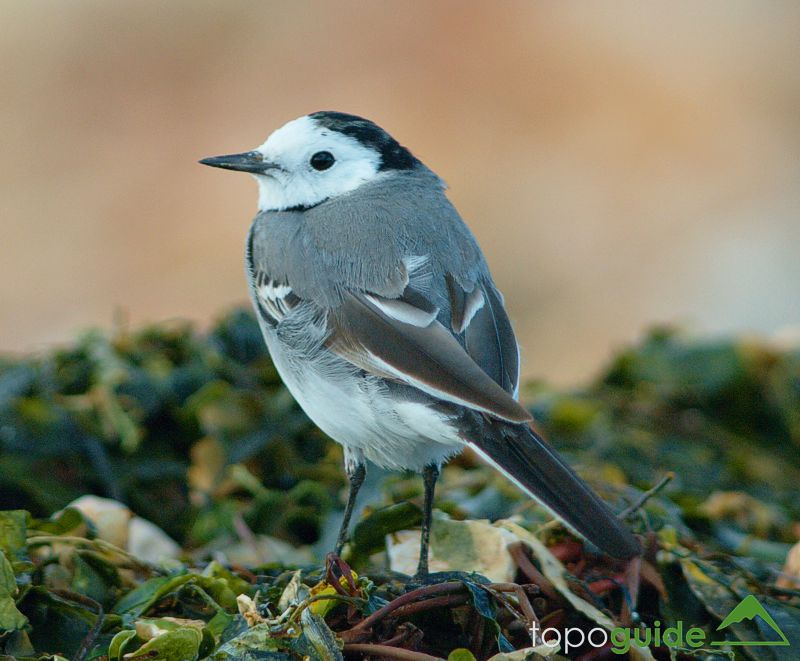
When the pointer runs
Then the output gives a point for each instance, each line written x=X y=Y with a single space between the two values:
x=250 y=161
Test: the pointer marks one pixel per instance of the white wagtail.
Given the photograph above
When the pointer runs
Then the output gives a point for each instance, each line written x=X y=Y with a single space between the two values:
x=382 y=318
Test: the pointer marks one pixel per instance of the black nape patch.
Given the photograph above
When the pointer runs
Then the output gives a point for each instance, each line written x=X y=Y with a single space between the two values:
x=393 y=155
x=304 y=207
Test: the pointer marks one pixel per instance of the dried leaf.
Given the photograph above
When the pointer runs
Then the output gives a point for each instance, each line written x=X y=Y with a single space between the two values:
x=469 y=546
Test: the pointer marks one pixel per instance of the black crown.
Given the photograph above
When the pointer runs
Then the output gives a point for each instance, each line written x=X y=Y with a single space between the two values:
x=393 y=155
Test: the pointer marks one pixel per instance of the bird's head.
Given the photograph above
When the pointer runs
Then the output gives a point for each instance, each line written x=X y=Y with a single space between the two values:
x=318 y=157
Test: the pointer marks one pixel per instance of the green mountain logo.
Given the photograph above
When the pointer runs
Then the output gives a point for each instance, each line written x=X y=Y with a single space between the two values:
x=749 y=609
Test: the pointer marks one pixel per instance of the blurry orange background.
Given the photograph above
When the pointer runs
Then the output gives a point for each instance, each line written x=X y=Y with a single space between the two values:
x=621 y=163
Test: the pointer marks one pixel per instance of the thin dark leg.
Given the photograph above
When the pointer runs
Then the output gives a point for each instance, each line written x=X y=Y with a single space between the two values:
x=429 y=476
x=356 y=475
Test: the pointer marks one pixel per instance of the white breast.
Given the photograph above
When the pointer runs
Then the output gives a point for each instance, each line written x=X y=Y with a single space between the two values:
x=356 y=411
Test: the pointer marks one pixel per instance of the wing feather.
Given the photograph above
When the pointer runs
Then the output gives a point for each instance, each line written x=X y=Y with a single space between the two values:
x=427 y=357
x=488 y=336
x=491 y=343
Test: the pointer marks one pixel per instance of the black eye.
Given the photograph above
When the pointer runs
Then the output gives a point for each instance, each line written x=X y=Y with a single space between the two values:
x=322 y=160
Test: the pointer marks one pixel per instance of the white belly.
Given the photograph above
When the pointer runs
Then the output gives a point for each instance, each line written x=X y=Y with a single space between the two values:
x=357 y=412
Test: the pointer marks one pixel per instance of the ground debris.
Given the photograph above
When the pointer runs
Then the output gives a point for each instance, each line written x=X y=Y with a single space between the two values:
x=194 y=433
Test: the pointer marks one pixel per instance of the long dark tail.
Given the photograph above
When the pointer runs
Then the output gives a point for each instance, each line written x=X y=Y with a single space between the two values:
x=527 y=459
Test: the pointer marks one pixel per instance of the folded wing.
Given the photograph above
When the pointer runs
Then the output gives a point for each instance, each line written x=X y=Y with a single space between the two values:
x=479 y=317
x=402 y=339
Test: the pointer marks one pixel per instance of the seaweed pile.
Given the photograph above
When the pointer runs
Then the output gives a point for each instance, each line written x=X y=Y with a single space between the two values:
x=697 y=443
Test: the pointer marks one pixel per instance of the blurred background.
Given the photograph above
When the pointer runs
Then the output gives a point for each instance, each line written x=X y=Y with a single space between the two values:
x=621 y=164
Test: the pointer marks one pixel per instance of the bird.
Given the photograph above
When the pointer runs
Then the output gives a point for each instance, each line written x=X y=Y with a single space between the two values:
x=383 y=320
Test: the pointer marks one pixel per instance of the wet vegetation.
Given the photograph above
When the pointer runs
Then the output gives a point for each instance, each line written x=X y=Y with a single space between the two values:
x=696 y=443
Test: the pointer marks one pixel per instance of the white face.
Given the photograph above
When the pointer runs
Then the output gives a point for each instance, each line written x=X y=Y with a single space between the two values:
x=295 y=181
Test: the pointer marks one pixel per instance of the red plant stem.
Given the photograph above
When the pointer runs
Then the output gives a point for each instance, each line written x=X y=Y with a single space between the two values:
x=244 y=573
x=428 y=604
x=504 y=601
x=567 y=551
x=525 y=605
x=333 y=580
x=649 y=574
x=632 y=578
x=403 y=634
x=503 y=587
x=402 y=600
x=602 y=585
x=517 y=551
